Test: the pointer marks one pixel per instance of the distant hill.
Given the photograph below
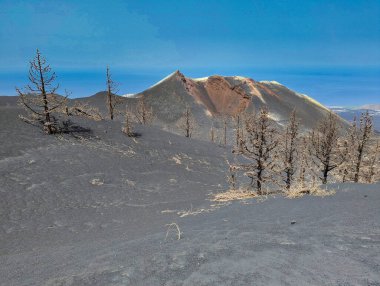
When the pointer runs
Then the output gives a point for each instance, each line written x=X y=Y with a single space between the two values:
x=8 y=100
x=371 y=107
x=216 y=96
x=349 y=114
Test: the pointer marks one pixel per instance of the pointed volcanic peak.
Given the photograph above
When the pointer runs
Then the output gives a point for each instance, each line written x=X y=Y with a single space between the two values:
x=174 y=76
x=170 y=96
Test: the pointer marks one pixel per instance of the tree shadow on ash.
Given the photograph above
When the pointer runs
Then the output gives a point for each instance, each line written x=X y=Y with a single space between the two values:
x=70 y=127
x=134 y=134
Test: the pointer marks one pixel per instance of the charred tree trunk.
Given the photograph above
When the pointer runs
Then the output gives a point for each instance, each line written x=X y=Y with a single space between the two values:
x=225 y=131
x=212 y=134
x=290 y=149
x=258 y=147
x=144 y=114
x=324 y=146
x=44 y=96
x=111 y=91
x=237 y=130
x=187 y=122
x=364 y=136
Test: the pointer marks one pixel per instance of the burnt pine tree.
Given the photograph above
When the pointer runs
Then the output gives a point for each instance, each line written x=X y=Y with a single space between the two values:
x=39 y=97
x=212 y=133
x=289 y=149
x=128 y=124
x=144 y=114
x=231 y=176
x=237 y=129
x=112 y=99
x=224 y=120
x=347 y=151
x=364 y=133
x=324 y=146
x=373 y=169
x=258 y=148
x=85 y=110
x=187 y=122
x=344 y=169
x=303 y=158
x=239 y=120
x=239 y=126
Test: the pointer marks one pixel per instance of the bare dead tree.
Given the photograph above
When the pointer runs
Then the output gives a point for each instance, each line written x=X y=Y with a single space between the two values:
x=84 y=110
x=373 y=163
x=112 y=99
x=258 y=148
x=347 y=147
x=225 y=131
x=363 y=135
x=303 y=161
x=232 y=175
x=212 y=133
x=223 y=136
x=289 y=149
x=345 y=168
x=237 y=129
x=144 y=113
x=187 y=122
x=324 y=149
x=239 y=126
x=39 y=96
x=128 y=123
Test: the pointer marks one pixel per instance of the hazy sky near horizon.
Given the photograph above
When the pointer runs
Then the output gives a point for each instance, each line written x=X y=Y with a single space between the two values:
x=190 y=34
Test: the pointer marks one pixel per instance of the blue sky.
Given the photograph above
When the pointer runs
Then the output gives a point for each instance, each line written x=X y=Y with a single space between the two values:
x=193 y=36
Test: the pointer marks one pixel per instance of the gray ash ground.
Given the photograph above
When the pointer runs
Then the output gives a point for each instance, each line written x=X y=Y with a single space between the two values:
x=93 y=209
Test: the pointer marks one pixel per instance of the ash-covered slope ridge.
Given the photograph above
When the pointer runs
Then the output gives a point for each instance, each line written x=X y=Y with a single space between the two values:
x=94 y=207
x=216 y=95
